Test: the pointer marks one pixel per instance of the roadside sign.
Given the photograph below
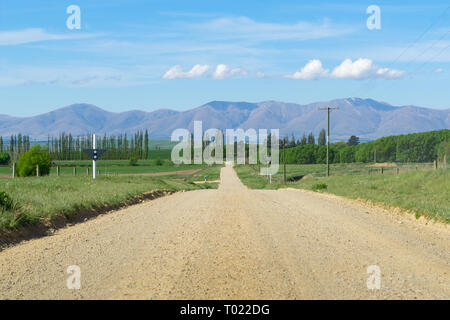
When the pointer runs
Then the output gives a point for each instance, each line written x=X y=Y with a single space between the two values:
x=95 y=154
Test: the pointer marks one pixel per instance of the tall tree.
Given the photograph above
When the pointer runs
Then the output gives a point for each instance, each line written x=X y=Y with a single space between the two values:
x=146 y=145
x=292 y=144
x=303 y=141
x=322 y=138
x=311 y=139
x=353 y=141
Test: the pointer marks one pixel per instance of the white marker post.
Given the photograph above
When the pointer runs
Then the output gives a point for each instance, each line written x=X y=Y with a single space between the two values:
x=94 y=163
x=95 y=155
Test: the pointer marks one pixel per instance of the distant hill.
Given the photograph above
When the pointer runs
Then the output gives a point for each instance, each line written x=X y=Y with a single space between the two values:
x=366 y=118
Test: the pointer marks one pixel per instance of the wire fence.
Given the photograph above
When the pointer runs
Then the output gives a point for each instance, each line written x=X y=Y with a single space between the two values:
x=298 y=172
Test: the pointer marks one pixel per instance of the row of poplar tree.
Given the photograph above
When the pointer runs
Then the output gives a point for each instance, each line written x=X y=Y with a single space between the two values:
x=69 y=147
x=118 y=147
x=17 y=144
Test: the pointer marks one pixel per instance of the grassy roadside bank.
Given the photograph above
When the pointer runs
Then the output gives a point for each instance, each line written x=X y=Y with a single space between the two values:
x=41 y=199
x=422 y=192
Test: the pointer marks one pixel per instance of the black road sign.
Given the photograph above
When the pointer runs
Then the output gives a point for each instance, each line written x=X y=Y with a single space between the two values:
x=95 y=154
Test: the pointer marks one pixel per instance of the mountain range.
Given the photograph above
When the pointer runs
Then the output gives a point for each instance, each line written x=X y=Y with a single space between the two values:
x=366 y=118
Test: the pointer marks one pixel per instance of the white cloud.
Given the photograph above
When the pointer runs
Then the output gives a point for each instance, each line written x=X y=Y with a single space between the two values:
x=176 y=72
x=224 y=72
x=221 y=71
x=260 y=74
x=17 y=37
x=364 y=69
x=74 y=76
x=360 y=69
x=357 y=70
x=311 y=71
x=389 y=74
x=438 y=70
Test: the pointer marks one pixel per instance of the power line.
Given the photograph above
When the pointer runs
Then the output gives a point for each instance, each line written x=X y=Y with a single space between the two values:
x=369 y=85
x=427 y=61
x=434 y=57
x=428 y=48
x=419 y=38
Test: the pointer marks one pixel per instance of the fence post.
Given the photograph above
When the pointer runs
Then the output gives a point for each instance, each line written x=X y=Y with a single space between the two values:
x=435 y=165
x=381 y=170
x=74 y=171
x=87 y=171
x=37 y=170
x=398 y=170
x=14 y=170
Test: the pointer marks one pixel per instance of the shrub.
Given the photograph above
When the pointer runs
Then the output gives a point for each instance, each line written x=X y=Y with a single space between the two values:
x=133 y=162
x=6 y=203
x=26 y=166
x=4 y=158
x=158 y=162
x=320 y=186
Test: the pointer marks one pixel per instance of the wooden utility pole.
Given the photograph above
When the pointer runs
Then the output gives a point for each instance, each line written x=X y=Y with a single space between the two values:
x=328 y=135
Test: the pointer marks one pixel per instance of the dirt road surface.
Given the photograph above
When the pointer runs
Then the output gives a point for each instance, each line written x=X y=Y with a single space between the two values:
x=235 y=243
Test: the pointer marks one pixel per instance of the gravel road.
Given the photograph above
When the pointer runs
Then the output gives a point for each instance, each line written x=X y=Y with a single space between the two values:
x=235 y=243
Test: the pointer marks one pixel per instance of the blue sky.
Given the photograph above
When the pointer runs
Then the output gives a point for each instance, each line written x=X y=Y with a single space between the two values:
x=136 y=54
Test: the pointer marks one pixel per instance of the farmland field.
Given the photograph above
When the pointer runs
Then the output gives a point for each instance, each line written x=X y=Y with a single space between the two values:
x=212 y=173
x=112 y=167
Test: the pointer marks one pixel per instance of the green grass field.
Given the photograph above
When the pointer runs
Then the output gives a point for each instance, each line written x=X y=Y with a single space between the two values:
x=162 y=144
x=121 y=167
x=46 y=197
x=211 y=172
x=112 y=167
x=424 y=192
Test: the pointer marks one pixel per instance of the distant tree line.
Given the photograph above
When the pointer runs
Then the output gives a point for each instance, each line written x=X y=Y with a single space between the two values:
x=118 y=147
x=69 y=147
x=304 y=140
x=415 y=147
x=17 y=145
